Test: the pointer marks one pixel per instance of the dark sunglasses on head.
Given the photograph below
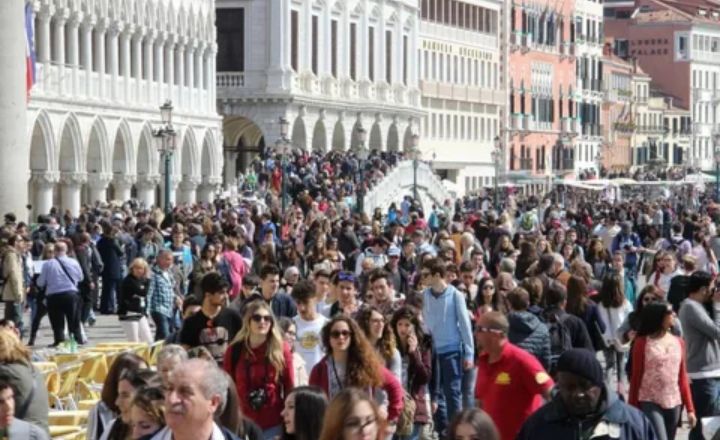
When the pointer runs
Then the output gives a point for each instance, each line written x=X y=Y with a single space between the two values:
x=335 y=334
x=346 y=276
x=260 y=318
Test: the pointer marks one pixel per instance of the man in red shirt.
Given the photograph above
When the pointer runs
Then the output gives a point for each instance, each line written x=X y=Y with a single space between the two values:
x=511 y=383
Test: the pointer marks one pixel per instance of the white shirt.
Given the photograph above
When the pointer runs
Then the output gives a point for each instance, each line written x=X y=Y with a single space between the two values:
x=308 y=342
x=166 y=434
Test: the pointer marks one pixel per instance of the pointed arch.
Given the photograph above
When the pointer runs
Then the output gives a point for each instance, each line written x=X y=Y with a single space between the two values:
x=338 y=139
x=42 y=143
x=147 y=155
x=299 y=134
x=393 y=139
x=319 y=141
x=70 y=158
x=407 y=139
x=375 y=142
x=98 y=157
x=188 y=155
x=207 y=157
x=123 y=155
x=354 y=136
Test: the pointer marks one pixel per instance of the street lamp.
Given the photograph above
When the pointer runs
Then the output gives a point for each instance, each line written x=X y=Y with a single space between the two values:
x=362 y=155
x=281 y=147
x=716 y=138
x=415 y=155
x=165 y=137
x=496 y=156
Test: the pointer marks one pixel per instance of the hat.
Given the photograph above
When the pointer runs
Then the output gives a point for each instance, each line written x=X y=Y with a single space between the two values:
x=581 y=362
x=394 y=251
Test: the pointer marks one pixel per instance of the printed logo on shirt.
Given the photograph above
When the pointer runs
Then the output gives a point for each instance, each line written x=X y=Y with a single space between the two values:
x=541 y=377
x=503 y=378
x=215 y=339
x=309 y=340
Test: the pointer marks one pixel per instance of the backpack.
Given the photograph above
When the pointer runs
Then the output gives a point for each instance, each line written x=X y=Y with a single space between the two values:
x=527 y=222
x=560 y=339
x=223 y=268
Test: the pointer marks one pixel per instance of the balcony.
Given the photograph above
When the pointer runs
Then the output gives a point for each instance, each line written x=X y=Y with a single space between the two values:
x=703 y=95
x=652 y=129
x=624 y=127
x=230 y=80
x=570 y=126
x=526 y=163
x=566 y=164
x=567 y=49
x=703 y=129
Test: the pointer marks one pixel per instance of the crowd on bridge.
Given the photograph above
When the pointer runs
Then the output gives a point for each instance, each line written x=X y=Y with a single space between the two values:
x=532 y=320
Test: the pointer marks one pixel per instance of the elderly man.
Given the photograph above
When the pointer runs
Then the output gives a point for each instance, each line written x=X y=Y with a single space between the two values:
x=60 y=277
x=196 y=390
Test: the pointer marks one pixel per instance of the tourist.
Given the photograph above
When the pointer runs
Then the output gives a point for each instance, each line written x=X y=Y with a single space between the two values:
x=169 y=357
x=289 y=334
x=352 y=415
x=113 y=257
x=308 y=322
x=13 y=286
x=162 y=298
x=147 y=412
x=11 y=425
x=381 y=337
x=304 y=413
x=132 y=302
x=473 y=424
x=37 y=297
x=130 y=380
x=613 y=308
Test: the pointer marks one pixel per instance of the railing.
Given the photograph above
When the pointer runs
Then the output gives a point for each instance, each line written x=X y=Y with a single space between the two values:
x=230 y=79
x=399 y=182
x=703 y=95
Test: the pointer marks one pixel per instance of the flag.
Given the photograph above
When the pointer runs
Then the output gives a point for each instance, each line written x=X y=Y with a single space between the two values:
x=29 y=48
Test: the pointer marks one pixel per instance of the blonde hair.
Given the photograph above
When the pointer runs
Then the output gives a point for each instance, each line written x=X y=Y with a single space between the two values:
x=275 y=341
x=140 y=262
x=12 y=349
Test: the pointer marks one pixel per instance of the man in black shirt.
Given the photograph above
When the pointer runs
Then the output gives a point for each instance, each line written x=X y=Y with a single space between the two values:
x=215 y=325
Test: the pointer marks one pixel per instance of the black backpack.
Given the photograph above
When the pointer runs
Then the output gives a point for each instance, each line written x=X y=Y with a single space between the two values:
x=560 y=338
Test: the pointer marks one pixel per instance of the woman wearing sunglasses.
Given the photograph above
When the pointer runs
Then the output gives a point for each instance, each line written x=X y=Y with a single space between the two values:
x=352 y=362
x=261 y=364
x=352 y=415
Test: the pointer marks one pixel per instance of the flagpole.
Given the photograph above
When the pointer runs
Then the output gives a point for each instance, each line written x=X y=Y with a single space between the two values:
x=14 y=145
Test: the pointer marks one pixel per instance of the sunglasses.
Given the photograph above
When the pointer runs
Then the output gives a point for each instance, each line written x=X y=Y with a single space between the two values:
x=259 y=318
x=337 y=334
x=481 y=329
x=488 y=287
x=346 y=276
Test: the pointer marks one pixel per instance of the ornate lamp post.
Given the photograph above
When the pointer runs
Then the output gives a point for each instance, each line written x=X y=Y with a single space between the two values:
x=362 y=155
x=282 y=148
x=496 y=155
x=165 y=137
x=415 y=156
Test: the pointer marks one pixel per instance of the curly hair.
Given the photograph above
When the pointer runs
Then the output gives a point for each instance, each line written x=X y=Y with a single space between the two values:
x=386 y=344
x=412 y=315
x=364 y=365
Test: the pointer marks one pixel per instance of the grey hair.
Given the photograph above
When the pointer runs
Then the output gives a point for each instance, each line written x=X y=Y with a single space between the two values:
x=163 y=252
x=559 y=259
x=213 y=381
x=507 y=265
x=172 y=351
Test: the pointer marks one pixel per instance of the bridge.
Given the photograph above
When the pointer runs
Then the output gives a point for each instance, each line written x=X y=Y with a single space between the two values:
x=399 y=183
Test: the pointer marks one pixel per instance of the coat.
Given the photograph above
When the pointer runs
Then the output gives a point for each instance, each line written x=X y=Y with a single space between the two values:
x=113 y=257
x=552 y=422
x=532 y=335
x=12 y=276
x=29 y=386
x=419 y=371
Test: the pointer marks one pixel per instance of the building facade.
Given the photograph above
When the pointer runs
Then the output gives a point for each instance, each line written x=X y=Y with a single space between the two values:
x=677 y=44
x=330 y=68
x=103 y=69
x=543 y=106
x=463 y=86
x=617 y=117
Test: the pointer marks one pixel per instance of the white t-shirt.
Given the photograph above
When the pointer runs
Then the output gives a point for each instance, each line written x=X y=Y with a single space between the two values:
x=308 y=342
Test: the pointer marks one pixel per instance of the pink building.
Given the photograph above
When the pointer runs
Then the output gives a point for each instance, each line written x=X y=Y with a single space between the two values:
x=617 y=117
x=542 y=114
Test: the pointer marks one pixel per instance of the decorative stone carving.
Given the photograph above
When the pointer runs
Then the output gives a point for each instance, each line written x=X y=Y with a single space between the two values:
x=45 y=178
x=73 y=178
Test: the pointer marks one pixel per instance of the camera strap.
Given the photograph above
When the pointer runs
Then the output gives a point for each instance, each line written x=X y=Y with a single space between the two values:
x=249 y=377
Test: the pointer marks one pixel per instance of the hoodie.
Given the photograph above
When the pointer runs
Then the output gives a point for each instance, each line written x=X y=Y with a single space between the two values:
x=530 y=334
x=448 y=322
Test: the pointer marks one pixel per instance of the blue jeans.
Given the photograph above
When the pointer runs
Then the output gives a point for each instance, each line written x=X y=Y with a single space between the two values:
x=163 y=325
x=706 y=398
x=451 y=375
x=108 y=299
x=468 y=388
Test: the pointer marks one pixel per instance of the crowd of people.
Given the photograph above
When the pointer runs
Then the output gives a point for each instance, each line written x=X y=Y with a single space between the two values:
x=592 y=320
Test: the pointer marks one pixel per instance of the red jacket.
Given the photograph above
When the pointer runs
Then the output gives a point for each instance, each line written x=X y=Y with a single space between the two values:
x=638 y=366
x=319 y=377
x=262 y=374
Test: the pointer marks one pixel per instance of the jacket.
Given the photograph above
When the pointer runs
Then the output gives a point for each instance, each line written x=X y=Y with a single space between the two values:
x=261 y=376
x=638 y=367
x=552 y=422
x=419 y=370
x=27 y=431
x=12 y=276
x=28 y=384
x=133 y=296
x=702 y=338
x=532 y=335
x=320 y=377
x=161 y=293
x=113 y=257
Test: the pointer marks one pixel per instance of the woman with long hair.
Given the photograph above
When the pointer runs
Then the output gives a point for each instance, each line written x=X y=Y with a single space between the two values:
x=304 y=413
x=663 y=271
x=353 y=415
x=289 y=334
x=207 y=263
x=351 y=361
x=528 y=256
x=614 y=308
x=659 y=384
x=580 y=305
x=130 y=381
x=261 y=364
x=598 y=258
x=473 y=424
x=38 y=306
x=381 y=336
x=487 y=297
x=103 y=413
x=416 y=353
x=147 y=412
x=132 y=302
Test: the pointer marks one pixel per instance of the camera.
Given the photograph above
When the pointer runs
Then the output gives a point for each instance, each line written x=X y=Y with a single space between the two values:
x=257 y=399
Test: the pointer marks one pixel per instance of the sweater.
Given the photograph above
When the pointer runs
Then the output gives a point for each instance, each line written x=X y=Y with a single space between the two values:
x=21 y=377
x=638 y=366
x=320 y=377
x=702 y=339
x=448 y=322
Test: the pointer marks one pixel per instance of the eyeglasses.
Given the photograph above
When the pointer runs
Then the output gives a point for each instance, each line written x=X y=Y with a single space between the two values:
x=337 y=334
x=259 y=318
x=488 y=287
x=481 y=329
x=357 y=426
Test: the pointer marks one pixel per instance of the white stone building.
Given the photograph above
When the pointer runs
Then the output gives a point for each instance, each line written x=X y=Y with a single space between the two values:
x=327 y=66
x=463 y=91
x=103 y=69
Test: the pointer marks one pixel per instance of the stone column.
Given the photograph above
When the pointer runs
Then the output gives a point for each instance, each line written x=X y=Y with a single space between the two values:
x=123 y=186
x=231 y=182
x=137 y=65
x=160 y=61
x=59 y=42
x=206 y=190
x=86 y=30
x=42 y=40
x=148 y=70
x=73 y=46
x=14 y=143
x=98 y=183
x=125 y=60
x=70 y=191
x=188 y=188
x=170 y=65
x=180 y=72
x=100 y=57
x=189 y=74
x=112 y=36
x=209 y=79
x=146 y=186
x=43 y=185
